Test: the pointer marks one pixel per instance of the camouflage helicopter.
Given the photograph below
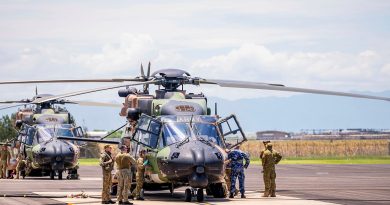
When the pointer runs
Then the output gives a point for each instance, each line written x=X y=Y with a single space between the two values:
x=39 y=125
x=185 y=142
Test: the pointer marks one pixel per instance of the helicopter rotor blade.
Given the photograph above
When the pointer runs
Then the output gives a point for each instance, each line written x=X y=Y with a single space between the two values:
x=108 y=80
x=14 y=101
x=148 y=72
x=91 y=103
x=142 y=71
x=146 y=86
x=55 y=97
x=278 y=87
x=12 y=106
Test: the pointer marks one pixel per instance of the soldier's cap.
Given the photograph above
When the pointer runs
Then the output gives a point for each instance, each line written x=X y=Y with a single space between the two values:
x=266 y=141
x=269 y=145
x=107 y=146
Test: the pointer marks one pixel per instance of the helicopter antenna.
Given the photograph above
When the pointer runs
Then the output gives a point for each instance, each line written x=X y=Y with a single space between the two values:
x=192 y=117
x=36 y=90
x=216 y=108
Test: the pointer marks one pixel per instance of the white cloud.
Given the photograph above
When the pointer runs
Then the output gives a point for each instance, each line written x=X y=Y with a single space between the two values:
x=128 y=53
x=330 y=70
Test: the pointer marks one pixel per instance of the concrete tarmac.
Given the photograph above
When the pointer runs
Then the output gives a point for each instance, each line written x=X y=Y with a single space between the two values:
x=296 y=184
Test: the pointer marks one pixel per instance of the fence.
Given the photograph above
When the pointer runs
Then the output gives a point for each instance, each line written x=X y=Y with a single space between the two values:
x=322 y=148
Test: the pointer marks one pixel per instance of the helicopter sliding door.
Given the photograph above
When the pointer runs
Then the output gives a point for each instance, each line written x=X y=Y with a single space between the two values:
x=231 y=131
x=147 y=131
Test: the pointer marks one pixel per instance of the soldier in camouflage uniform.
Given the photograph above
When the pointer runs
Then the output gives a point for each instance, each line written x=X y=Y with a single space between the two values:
x=124 y=162
x=107 y=164
x=269 y=160
x=236 y=158
x=265 y=148
x=5 y=157
x=140 y=175
x=21 y=166
x=228 y=172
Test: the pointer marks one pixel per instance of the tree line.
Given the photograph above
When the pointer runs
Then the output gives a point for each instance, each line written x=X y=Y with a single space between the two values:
x=7 y=129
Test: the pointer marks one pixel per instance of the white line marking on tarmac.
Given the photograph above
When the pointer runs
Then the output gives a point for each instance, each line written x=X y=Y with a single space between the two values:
x=91 y=179
x=252 y=199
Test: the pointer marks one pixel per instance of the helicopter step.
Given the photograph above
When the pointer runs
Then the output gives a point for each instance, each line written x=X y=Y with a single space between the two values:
x=192 y=193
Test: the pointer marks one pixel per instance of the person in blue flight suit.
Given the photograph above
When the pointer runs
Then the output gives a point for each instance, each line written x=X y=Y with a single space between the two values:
x=236 y=158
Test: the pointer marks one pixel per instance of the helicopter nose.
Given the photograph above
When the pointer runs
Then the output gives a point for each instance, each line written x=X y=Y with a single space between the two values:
x=57 y=153
x=198 y=162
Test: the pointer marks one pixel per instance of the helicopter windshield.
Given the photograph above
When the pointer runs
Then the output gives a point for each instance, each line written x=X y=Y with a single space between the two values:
x=44 y=134
x=207 y=132
x=47 y=132
x=174 y=132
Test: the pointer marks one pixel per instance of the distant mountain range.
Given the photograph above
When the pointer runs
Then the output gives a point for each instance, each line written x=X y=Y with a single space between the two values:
x=308 y=111
x=293 y=113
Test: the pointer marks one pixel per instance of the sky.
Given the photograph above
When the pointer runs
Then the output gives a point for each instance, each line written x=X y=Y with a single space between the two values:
x=332 y=45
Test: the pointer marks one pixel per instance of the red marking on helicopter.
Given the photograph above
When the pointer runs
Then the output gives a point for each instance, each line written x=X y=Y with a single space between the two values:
x=185 y=108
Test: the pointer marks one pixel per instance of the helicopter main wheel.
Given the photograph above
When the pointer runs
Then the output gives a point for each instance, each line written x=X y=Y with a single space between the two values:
x=52 y=174
x=199 y=195
x=219 y=190
x=208 y=191
x=59 y=174
x=188 y=195
x=171 y=189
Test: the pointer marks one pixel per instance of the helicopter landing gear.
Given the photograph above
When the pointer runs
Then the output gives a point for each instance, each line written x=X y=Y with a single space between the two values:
x=52 y=174
x=72 y=174
x=60 y=174
x=171 y=189
x=189 y=193
x=218 y=190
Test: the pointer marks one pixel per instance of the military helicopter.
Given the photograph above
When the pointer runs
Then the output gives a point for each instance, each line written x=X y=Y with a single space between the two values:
x=185 y=143
x=39 y=125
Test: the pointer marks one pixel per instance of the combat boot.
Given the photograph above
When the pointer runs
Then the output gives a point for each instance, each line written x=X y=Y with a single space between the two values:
x=111 y=201
x=231 y=196
x=273 y=194
x=266 y=194
x=127 y=202
x=243 y=196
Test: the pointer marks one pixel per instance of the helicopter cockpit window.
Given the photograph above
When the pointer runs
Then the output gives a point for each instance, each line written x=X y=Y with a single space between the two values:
x=63 y=132
x=176 y=132
x=148 y=131
x=207 y=132
x=44 y=134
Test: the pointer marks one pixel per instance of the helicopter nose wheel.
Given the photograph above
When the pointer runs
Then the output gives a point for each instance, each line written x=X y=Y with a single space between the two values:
x=189 y=193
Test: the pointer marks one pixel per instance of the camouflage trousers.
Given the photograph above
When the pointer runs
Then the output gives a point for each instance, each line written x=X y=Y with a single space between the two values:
x=269 y=176
x=140 y=184
x=237 y=173
x=3 y=169
x=228 y=173
x=124 y=183
x=106 y=185
x=21 y=166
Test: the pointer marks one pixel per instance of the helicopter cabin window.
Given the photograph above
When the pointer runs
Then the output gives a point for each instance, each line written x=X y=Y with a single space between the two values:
x=207 y=132
x=231 y=131
x=176 y=132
